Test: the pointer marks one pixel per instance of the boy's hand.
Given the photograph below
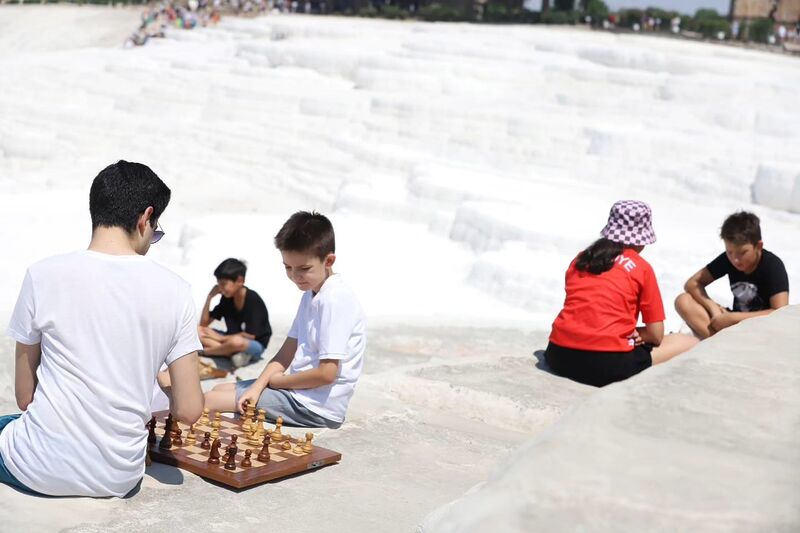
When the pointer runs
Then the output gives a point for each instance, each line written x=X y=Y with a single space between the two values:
x=717 y=310
x=247 y=335
x=214 y=291
x=253 y=393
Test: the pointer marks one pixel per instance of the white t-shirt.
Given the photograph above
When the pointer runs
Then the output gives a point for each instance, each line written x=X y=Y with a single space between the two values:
x=329 y=325
x=106 y=324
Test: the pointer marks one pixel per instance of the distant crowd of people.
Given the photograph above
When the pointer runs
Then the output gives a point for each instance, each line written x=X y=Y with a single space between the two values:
x=191 y=14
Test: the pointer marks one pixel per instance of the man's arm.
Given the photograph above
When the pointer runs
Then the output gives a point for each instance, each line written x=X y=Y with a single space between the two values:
x=324 y=374
x=726 y=320
x=186 y=396
x=28 y=357
x=696 y=287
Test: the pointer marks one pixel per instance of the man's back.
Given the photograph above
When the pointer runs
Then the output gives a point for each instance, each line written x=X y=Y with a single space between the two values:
x=106 y=323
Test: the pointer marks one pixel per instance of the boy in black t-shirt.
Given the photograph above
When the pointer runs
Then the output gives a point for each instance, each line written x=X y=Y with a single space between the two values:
x=758 y=280
x=247 y=329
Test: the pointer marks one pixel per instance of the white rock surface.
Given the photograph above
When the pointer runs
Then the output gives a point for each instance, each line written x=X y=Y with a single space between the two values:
x=706 y=442
x=463 y=167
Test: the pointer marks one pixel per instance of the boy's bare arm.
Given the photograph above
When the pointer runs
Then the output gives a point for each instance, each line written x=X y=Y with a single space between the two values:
x=186 y=398
x=276 y=366
x=28 y=357
x=696 y=286
x=279 y=363
x=205 y=317
x=324 y=374
x=728 y=319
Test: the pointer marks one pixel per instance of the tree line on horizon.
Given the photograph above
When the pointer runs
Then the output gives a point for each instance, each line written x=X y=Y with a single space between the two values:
x=705 y=23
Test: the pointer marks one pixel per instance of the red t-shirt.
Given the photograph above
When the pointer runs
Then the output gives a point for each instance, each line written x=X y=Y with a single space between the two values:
x=601 y=310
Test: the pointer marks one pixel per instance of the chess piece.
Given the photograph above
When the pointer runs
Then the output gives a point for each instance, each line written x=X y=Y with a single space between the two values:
x=215 y=425
x=287 y=444
x=191 y=438
x=176 y=437
x=204 y=419
x=214 y=455
x=307 y=447
x=234 y=447
x=263 y=455
x=246 y=461
x=166 y=440
x=151 y=431
x=260 y=424
x=276 y=435
x=206 y=444
x=230 y=462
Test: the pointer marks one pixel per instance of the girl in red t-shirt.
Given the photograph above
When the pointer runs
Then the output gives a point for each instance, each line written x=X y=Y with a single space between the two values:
x=594 y=338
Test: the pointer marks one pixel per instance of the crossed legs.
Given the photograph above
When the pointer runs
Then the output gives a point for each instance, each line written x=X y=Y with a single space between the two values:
x=219 y=345
x=694 y=314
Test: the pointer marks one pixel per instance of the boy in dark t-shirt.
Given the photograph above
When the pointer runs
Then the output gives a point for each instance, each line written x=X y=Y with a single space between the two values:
x=757 y=277
x=247 y=329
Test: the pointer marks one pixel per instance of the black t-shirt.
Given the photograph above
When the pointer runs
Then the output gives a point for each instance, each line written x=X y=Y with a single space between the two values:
x=751 y=292
x=252 y=319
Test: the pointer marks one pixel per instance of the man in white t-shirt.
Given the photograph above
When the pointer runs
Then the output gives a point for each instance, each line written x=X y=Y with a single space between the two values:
x=310 y=381
x=93 y=328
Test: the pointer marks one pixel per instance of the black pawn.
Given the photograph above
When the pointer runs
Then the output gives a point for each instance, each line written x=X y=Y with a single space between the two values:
x=246 y=461
x=206 y=444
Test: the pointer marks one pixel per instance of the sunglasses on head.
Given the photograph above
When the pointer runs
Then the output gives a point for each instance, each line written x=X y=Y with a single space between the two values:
x=157 y=234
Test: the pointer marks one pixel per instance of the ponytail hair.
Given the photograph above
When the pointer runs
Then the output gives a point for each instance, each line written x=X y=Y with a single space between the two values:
x=599 y=256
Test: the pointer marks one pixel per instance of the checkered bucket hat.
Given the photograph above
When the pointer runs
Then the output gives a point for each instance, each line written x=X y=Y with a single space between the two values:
x=630 y=222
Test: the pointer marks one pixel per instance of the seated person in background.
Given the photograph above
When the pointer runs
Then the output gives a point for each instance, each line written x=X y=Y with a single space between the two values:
x=310 y=381
x=758 y=280
x=92 y=329
x=247 y=329
x=594 y=339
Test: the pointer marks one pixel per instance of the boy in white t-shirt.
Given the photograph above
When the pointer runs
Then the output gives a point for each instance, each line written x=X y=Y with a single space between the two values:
x=310 y=381
x=93 y=328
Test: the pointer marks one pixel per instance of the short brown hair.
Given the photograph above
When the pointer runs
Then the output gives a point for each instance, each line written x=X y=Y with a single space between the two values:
x=307 y=232
x=741 y=228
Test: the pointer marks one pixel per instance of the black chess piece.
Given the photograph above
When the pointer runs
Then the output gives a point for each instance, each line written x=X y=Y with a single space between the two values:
x=151 y=429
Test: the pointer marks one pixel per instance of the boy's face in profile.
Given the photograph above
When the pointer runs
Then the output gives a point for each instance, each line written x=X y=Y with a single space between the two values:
x=228 y=287
x=306 y=270
x=744 y=257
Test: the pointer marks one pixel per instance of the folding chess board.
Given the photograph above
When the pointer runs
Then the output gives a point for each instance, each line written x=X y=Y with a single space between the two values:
x=192 y=458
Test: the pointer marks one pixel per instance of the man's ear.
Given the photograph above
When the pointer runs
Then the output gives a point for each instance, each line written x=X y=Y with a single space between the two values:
x=759 y=246
x=330 y=259
x=144 y=218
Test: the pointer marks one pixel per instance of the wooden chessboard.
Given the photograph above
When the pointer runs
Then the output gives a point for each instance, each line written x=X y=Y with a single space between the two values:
x=194 y=459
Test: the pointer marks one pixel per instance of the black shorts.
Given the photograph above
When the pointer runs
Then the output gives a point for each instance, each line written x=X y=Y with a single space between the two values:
x=597 y=368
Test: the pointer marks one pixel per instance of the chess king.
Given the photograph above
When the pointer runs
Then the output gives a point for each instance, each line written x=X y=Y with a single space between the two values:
x=92 y=328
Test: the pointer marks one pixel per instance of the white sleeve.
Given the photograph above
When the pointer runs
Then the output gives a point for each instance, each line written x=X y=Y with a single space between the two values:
x=186 y=338
x=293 y=331
x=21 y=327
x=335 y=324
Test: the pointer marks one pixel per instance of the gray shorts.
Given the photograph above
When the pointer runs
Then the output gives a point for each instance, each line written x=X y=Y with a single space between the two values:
x=280 y=403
